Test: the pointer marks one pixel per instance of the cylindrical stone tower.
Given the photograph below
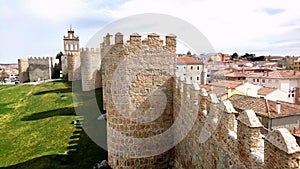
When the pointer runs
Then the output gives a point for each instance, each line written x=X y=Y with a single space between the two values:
x=138 y=92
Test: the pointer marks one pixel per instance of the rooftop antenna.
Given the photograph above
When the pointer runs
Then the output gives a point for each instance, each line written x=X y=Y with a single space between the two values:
x=70 y=27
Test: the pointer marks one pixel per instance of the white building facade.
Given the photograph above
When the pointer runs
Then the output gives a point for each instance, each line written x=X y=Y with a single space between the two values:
x=191 y=69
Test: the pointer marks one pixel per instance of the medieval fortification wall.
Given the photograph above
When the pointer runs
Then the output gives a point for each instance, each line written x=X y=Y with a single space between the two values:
x=90 y=68
x=36 y=68
x=224 y=138
x=138 y=77
x=133 y=71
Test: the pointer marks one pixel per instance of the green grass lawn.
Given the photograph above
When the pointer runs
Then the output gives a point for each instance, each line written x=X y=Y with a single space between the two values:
x=35 y=129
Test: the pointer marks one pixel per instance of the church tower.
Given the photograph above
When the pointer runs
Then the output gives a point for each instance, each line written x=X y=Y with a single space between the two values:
x=71 y=42
x=71 y=59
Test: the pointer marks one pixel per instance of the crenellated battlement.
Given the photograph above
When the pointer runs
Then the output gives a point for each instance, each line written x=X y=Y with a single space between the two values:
x=135 y=39
x=89 y=50
x=225 y=136
x=41 y=60
x=209 y=133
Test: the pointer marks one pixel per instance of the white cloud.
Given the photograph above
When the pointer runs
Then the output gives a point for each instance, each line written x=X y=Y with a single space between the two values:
x=227 y=24
x=231 y=25
x=56 y=10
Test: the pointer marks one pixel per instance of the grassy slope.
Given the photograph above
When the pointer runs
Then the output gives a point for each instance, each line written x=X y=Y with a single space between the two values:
x=36 y=132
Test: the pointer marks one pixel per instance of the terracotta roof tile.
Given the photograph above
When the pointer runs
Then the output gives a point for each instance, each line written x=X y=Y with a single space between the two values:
x=295 y=132
x=265 y=91
x=226 y=83
x=188 y=61
x=219 y=90
x=261 y=106
x=276 y=74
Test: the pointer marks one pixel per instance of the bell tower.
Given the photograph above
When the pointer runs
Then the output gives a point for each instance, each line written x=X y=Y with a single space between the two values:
x=71 y=42
x=71 y=60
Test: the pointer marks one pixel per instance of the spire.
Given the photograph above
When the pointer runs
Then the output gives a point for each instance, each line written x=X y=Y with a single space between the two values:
x=70 y=27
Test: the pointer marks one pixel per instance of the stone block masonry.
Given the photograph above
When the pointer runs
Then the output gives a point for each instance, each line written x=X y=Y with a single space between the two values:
x=143 y=100
x=74 y=63
x=224 y=138
x=90 y=68
x=138 y=88
x=36 y=68
x=23 y=70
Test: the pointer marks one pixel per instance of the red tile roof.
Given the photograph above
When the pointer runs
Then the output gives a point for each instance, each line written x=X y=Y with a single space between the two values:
x=275 y=74
x=188 y=61
x=218 y=90
x=265 y=91
x=295 y=132
x=226 y=83
x=263 y=107
x=236 y=74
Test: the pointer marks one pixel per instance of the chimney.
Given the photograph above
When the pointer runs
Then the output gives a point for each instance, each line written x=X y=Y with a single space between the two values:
x=212 y=88
x=278 y=107
x=228 y=92
x=297 y=96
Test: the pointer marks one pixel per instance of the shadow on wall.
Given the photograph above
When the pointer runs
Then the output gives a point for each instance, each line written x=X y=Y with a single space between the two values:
x=82 y=153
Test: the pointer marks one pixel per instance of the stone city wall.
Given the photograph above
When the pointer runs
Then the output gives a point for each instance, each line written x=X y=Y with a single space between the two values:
x=74 y=63
x=138 y=83
x=23 y=70
x=41 y=68
x=90 y=68
x=224 y=138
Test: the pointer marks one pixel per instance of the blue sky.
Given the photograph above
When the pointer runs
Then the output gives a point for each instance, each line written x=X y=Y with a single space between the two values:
x=36 y=27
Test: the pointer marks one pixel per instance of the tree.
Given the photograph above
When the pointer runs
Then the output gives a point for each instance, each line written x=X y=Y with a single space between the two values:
x=234 y=56
x=58 y=56
x=248 y=56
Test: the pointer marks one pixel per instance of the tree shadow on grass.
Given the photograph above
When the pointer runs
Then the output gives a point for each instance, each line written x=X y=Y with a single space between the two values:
x=4 y=108
x=82 y=152
x=57 y=112
x=58 y=91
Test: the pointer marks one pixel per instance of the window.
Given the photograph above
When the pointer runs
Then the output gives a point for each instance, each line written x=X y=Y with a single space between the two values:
x=191 y=67
x=191 y=78
x=289 y=96
x=263 y=81
x=293 y=95
x=176 y=67
x=184 y=67
x=239 y=78
x=257 y=80
x=198 y=67
x=197 y=77
x=244 y=78
x=253 y=80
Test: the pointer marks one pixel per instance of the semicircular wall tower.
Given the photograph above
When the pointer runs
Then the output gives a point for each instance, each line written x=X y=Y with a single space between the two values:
x=137 y=79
